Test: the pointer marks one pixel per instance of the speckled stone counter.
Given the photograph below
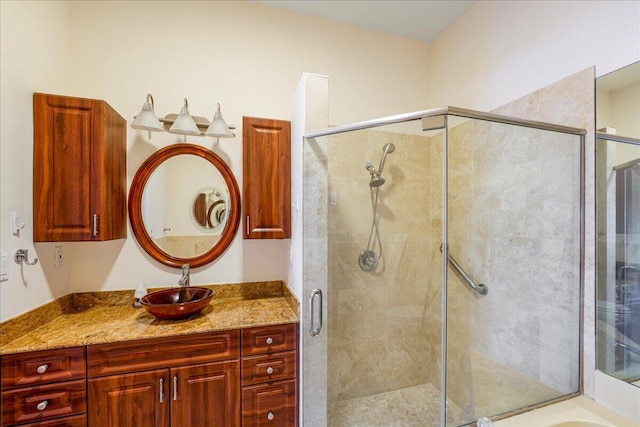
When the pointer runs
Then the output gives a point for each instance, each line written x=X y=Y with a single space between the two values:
x=102 y=317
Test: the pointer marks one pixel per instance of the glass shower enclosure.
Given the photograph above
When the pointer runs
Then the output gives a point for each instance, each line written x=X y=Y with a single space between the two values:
x=618 y=256
x=443 y=268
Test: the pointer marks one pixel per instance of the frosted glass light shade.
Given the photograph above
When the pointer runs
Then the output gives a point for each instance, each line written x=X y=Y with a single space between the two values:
x=218 y=127
x=147 y=119
x=184 y=123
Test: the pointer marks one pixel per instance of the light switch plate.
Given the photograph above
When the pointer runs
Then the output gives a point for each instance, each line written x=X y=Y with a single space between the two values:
x=4 y=267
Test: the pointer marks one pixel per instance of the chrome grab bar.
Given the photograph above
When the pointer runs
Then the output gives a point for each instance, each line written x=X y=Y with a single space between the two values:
x=481 y=288
x=312 y=330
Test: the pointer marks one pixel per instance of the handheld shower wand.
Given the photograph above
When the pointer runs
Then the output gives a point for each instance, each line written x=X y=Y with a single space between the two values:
x=368 y=259
x=376 y=175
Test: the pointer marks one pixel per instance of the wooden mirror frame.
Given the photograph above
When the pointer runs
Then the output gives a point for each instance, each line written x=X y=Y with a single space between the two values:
x=135 y=205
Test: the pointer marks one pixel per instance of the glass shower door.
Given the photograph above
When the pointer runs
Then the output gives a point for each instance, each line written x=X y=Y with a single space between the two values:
x=372 y=233
x=513 y=225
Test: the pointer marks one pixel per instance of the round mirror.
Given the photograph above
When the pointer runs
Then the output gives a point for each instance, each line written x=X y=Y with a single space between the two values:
x=184 y=205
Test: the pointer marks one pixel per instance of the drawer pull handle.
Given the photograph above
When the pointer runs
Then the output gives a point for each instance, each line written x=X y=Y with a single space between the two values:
x=270 y=416
x=161 y=390
x=42 y=368
x=42 y=405
x=269 y=340
x=269 y=370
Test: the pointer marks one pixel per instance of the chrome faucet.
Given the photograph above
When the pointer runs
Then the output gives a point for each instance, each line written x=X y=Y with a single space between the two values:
x=184 y=280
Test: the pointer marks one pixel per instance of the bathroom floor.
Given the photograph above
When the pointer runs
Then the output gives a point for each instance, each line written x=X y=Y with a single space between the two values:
x=417 y=406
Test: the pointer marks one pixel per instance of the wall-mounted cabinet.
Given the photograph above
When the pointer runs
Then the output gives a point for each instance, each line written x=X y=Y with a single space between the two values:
x=79 y=164
x=266 y=178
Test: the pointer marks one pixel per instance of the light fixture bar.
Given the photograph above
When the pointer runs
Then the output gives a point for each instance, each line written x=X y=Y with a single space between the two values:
x=147 y=120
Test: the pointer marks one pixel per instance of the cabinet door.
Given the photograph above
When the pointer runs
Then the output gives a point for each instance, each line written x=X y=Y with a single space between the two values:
x=79 y=170
x=130 y=400
x=206 y=395
x=270 y=405
x=267 y=178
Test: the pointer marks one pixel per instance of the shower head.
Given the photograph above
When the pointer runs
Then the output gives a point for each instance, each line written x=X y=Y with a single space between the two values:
x=376 y=181
x=388 y=148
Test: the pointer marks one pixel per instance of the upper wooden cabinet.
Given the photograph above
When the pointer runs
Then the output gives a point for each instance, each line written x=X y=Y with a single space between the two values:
x=79 y=170
x=266 y=178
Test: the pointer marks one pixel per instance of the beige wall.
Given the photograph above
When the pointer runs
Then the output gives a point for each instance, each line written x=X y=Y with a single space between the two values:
x=502 y=50
x=35 y=56
x=246 y=56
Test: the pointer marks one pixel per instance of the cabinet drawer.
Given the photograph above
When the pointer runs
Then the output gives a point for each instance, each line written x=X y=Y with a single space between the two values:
x=270 y=405
x=269 y=339
x=42 y=367
x=43 y=402
x=74 y=421
x=275 y=367
x=129 y=356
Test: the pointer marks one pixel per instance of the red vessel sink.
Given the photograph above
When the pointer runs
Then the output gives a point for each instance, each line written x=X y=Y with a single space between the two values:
x=177 y=303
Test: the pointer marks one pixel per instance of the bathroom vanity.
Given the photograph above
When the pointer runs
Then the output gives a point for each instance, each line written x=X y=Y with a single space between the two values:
x=94 y=360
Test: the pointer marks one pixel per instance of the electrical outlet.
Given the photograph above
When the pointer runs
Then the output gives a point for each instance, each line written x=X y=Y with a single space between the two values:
x=58 y=257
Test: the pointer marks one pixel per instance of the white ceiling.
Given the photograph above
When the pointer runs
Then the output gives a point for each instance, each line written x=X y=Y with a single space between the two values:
x=415 y=19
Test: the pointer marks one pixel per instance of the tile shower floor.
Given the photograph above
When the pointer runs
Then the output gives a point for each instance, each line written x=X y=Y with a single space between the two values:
x=417 y=406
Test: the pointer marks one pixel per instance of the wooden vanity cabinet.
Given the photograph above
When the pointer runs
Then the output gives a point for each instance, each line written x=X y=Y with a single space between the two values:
x=269 y=360
x=229 y=378
x=183 y=381
x=79 y=170
x=44 y=388
x=266 y=147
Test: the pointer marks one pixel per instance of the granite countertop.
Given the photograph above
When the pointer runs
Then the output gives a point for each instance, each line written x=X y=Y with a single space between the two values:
x=103 y=317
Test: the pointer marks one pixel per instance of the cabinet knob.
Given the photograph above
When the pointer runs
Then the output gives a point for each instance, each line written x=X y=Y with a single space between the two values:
x=269 y=340
x=270 y=416
x=42 y=405
x=42 y=369
x=269 y=370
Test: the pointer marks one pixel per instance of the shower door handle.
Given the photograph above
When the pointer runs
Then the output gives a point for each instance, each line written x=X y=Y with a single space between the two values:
x=313 y=331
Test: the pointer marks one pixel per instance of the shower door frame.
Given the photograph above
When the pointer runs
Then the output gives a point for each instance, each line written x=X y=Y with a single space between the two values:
x=437 y=119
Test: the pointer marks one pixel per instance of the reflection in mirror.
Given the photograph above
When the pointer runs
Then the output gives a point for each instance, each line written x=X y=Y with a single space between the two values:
x=209 y=210
x=184 y=205
x=167 y=206
x=618 y=224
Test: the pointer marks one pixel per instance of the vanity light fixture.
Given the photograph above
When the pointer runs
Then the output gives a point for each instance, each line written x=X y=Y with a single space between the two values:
x=147 y=119
x=218 y=127
x=183 y=123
